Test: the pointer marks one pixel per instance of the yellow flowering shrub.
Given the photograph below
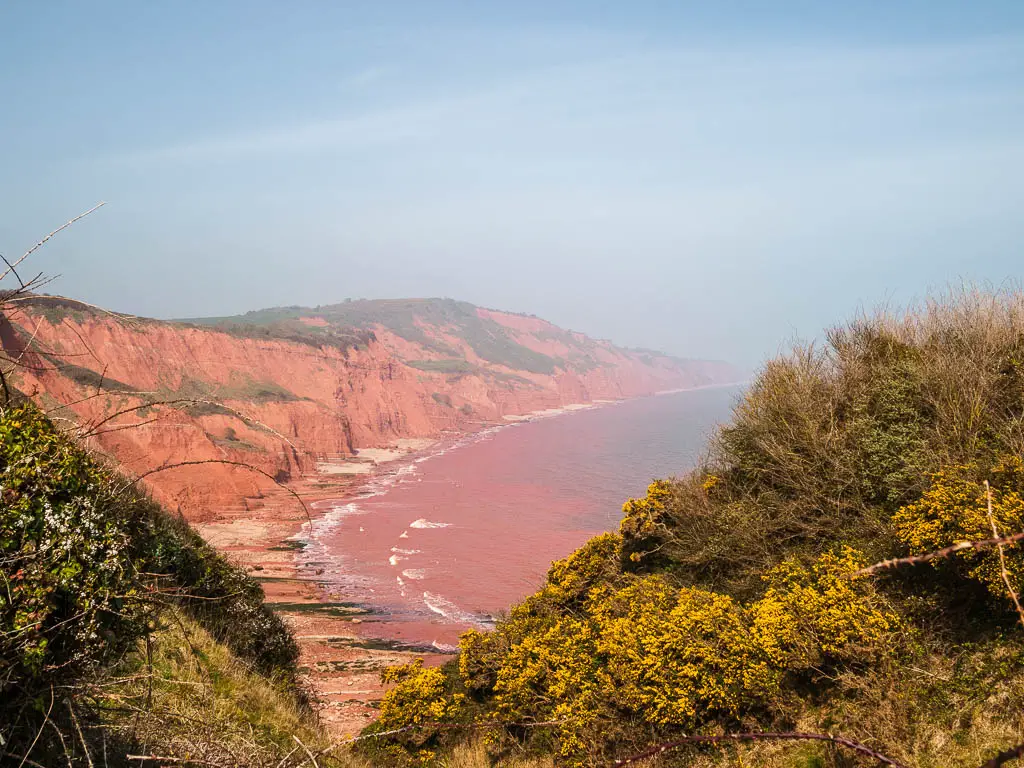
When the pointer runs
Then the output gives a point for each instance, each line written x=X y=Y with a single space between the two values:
x=642 y=649
x=642 y=516
x=955 y=508
x=419 y=696
x=677 y=656
x=593 y=564
x=555 y=675
x=821 y=611
x=644 y=523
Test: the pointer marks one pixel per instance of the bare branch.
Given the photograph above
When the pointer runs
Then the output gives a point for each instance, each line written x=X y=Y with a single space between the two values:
x=21 y=282
x=32 y=746
x=242 y=464
x=41 y=243
x=78 y=730
x=180 y=401
x=979 y=544
x=1002 y=556
x=312 y=759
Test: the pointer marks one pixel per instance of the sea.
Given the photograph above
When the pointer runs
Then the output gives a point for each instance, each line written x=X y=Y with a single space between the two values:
x=449 y=539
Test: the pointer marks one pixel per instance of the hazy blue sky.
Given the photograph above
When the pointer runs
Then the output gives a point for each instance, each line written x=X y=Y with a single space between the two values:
x=708 y=178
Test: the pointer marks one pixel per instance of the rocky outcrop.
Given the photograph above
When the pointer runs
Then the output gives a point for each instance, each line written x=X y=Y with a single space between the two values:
x=306 y=388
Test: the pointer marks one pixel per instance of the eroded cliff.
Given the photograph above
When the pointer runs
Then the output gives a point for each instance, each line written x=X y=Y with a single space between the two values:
x=292 y=390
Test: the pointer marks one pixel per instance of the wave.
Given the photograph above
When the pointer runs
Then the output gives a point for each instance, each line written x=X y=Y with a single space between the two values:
x=424 y=523
x=393 y=560
x=398 y=551
x=415 y=573
x=449 y=610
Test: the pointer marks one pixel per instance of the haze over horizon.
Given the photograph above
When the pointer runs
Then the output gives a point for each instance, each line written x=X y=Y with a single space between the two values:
x=705 y=179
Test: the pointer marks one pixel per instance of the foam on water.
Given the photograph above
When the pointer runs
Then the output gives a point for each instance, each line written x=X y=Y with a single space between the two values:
x=355 y=563
x=449 y=610
x=424 y=523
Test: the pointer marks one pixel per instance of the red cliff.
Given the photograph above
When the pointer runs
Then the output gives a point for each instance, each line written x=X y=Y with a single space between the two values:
x=285 y=390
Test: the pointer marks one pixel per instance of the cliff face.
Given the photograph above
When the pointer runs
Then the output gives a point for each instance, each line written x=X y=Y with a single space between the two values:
x=286 y=390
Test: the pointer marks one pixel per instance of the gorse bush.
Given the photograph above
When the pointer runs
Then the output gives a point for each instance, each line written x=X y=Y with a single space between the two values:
x=591 y=658
x=728 y=601
x=958 y=507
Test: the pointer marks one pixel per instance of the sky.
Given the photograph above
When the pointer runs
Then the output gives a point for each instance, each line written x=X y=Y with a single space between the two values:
x=710 y=179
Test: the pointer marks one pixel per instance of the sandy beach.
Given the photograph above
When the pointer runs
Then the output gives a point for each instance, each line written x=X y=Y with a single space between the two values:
x=341 y=667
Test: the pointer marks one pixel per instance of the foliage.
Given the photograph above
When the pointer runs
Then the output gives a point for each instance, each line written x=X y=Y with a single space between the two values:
x=89 y=565
x=70 y=560
x=727 y=601
x=420 y=697
x=590 y=656
x=955 y=508
x=186 y=694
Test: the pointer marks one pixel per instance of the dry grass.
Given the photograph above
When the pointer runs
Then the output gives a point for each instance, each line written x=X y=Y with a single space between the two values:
x=187 y=697
x=476 y=755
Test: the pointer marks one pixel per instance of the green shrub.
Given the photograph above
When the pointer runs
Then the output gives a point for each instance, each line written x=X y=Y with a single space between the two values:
x=71 y=548
x=88 y=563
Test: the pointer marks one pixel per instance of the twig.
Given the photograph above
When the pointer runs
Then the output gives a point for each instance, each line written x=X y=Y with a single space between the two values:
x=25 y=760
x=440 y=726
x=285 y=758
x=78 y=730
x=299 y=742
x=179 y=401
x=41 y=243
x=20 y=281
x=242 y=464
x=164 y=758
x=885 y=565
x=686 y=740
x=1002 y=557
x=39 y=733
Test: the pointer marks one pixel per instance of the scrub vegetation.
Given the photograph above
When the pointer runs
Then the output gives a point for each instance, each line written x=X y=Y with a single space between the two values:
x=121 y=631
x=737 y=601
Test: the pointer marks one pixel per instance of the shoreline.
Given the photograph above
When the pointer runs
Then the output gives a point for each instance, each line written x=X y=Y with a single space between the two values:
x=339 y=663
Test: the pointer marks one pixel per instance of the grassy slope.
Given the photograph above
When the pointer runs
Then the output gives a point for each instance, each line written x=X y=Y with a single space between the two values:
x=725 y=604
x=412 y=320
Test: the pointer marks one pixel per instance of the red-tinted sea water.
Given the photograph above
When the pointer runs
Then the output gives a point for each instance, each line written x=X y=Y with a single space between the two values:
x=448 y=540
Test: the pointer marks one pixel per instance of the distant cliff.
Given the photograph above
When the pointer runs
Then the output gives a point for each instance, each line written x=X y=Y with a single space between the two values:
x=286 y=388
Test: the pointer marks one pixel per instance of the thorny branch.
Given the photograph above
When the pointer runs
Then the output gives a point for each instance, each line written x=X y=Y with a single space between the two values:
x=1002 y=557
x=979 y=544
x=41 y=243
